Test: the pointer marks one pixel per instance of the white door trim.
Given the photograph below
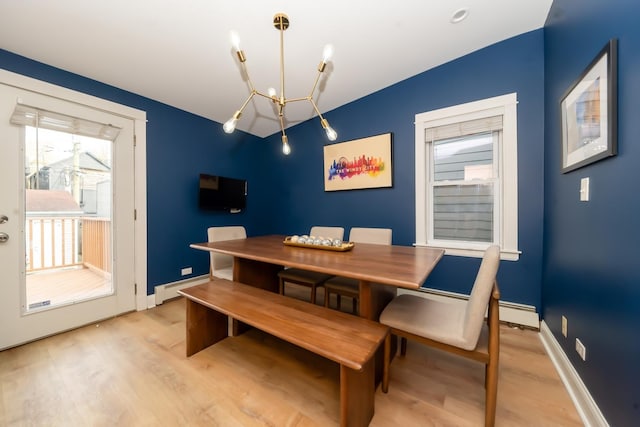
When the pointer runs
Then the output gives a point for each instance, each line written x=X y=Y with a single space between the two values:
x=139 y=118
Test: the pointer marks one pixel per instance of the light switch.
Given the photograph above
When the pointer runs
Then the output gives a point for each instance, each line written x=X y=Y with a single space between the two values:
x=584 y=189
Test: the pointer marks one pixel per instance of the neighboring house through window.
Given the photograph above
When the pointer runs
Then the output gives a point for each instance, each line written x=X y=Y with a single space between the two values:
x=467 y=177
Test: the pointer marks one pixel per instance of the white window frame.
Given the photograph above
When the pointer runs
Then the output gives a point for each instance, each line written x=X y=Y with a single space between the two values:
x=506 y=230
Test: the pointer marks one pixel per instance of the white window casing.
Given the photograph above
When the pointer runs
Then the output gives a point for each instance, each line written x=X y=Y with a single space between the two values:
x=505 y=161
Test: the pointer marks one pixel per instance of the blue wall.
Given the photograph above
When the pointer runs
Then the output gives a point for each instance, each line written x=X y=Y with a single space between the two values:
x=591 y=273
x=179 y=146
x=515 y=65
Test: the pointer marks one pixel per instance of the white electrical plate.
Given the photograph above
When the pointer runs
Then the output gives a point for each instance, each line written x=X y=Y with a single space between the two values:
x=581 y=349
x=584 y=189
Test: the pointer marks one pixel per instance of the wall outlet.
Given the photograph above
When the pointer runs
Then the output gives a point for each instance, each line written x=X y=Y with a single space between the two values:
x=581 y=349
x=564 y=326
x=186 y=271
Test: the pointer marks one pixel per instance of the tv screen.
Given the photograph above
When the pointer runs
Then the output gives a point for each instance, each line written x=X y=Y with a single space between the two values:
x=222 y=193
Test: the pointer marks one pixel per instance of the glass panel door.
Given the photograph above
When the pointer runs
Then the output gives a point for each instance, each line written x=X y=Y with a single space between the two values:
x=70 y=209
x=68 y=217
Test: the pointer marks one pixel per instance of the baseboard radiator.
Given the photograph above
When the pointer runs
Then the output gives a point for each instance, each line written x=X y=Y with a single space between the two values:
x=510 y=312
x=170 y=290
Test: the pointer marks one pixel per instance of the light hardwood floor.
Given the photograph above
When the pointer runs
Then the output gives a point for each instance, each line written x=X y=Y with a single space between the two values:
x=132 y=371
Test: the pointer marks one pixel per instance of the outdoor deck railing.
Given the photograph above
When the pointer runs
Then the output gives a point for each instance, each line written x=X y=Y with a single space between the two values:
x=59 y=242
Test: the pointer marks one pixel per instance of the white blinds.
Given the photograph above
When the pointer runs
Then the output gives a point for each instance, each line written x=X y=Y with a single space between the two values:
x=24 y=115
x=471 y=127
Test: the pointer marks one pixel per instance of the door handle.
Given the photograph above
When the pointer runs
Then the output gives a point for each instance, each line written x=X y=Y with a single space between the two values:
x=4 y=237
x=3 y=219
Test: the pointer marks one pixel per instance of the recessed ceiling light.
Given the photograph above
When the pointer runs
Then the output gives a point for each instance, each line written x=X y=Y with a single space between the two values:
x=459 y=15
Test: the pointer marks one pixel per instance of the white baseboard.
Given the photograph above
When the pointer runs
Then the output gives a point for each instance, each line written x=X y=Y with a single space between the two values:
x=586 y=406
x=151 y=301
x=510 y=312
x=170 y=290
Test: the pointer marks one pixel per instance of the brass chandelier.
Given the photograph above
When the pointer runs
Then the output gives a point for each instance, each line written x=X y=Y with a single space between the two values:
x=281 y=23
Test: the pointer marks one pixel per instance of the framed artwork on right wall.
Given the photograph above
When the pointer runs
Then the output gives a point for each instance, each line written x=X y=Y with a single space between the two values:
x=589 y=112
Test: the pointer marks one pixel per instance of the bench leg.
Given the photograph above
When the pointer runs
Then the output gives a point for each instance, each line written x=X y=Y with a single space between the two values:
x=204 y=327
x=357 y=394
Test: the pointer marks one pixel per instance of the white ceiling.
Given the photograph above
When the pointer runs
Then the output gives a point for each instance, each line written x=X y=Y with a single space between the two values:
x=178 y=51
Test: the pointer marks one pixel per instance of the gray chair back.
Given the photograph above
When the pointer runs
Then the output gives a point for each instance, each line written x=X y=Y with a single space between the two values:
x=377 y=236
x=328 y=232
x=480 y=294
x=221 y=262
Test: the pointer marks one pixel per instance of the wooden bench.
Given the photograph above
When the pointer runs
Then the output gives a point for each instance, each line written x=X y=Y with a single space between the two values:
x=345 y=339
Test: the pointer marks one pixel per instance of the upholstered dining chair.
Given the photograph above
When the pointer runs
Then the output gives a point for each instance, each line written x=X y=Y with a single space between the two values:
x=221 y=264
x=311 y=279
x=347 y=287
x=457 y=328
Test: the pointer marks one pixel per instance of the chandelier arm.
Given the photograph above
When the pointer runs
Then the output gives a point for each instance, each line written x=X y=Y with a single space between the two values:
x=249 y=81
x=281 y=29
x=315 y=84
x=315 y=107
x=264 y=95
x=306 y=98
x=251 y=95
x=281 y=117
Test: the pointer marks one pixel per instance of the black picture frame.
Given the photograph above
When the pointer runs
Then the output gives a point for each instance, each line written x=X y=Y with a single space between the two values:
x=589 y=112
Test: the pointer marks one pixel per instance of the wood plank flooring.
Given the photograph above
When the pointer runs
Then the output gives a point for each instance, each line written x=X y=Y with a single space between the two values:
x=132 y=371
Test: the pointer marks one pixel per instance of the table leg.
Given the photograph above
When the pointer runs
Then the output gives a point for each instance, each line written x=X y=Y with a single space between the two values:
x=374 y=297
x=254 y=273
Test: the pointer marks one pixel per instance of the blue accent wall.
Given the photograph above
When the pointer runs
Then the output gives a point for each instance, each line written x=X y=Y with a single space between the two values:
x=591 y=272
x=180 y=145
x=514 y=65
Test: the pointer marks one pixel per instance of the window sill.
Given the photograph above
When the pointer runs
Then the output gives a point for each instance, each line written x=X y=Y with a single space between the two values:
x=505 y=254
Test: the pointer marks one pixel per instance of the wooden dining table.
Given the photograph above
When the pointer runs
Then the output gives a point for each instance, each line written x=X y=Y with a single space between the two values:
x=379 y=269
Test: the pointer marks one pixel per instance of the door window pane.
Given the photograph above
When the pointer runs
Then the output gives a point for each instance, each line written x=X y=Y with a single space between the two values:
x=68 y=217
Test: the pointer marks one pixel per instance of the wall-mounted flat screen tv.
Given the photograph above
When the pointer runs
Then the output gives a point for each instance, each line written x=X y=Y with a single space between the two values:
x=222 y=193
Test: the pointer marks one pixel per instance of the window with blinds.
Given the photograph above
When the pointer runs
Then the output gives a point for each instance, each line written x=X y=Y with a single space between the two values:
x=466 y=177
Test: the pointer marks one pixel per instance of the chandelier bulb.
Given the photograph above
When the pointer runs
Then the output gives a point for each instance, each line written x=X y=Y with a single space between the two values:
x=286 y=149
x=272 y=92
x=327 y=53
x=230 y=125
x=332 y=135
x=235 y=41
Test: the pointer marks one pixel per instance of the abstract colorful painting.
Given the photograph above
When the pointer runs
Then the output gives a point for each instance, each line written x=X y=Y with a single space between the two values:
x=360 y=163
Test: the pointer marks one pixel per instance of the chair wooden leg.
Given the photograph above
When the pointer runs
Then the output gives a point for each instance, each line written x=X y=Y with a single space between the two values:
x=281 y=286
x=491 y=396
x=354 y=306
x=338 y=301
x=313 y=294
x=403 y=346
x=327 y=295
